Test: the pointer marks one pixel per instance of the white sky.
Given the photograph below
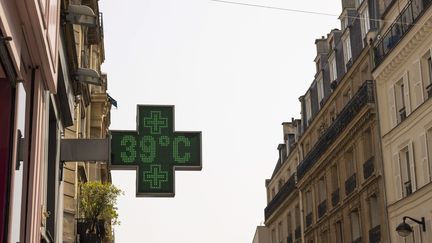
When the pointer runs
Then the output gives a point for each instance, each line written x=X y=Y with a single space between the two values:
x=233 y=72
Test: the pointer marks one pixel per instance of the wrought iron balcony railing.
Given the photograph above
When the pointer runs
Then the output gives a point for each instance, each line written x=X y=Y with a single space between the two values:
x=408 y=16
x=280 y=197
x=375 y=234
x=335 y=197
x=322 y=208
x=91 y=231
x=368 y=168
x=364 y=95
x=350 y=184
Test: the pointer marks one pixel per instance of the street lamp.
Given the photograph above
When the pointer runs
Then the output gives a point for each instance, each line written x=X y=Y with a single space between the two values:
x=405 y=229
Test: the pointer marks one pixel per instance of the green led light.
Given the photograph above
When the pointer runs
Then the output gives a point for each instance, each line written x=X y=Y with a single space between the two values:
x=155 y=150
x=186 y=143
x=129 y=143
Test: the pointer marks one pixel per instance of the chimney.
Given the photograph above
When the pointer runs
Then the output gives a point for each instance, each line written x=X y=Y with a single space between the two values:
x=321 y=45
x=348 y=4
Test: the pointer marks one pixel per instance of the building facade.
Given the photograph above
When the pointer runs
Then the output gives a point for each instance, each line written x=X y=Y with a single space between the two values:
x=403 y=73
x=40 y=82
x=328 y=185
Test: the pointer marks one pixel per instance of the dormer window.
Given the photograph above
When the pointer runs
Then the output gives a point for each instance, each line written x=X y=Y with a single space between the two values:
x=333 y=68
x=364 y=21
x=347 y=50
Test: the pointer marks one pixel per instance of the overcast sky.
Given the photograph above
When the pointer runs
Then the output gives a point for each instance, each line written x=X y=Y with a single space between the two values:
x=233 y=72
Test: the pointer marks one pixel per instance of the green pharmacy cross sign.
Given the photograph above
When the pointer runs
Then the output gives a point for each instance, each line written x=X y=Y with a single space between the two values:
x=155 y=150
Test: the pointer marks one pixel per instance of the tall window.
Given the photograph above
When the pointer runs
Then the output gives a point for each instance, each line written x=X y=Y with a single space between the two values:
x=368 y=144
x=308 y=107
x=426 y=73
x=333 y=68
x=339 y=232
x=289 y=224
x=309 y=202
x=320 y=88
x=347 y=49
x=428 y=156
x=297 y=217
x=374 y=214
x=355 y=225
x=273 y=236
x=334 y=178
x=364 y=21
x=280 y=232
x=404 y=156
x=400 y=90
x=350 y=163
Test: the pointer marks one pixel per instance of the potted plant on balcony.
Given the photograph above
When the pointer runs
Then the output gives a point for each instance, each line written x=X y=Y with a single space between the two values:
x=97 y=207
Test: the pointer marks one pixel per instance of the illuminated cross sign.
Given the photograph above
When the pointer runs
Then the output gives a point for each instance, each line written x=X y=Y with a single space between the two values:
x=155 y=150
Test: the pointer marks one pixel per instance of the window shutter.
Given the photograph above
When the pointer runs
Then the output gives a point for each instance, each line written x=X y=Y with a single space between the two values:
x=412 y=167
x=407 y=94
x=392 y=105
x=427 y=234
x=416 y=232
x=424 y=158
x=415 y=78
x=397 y=176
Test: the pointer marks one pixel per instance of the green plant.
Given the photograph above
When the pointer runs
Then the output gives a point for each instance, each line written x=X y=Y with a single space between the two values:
x=98 y=203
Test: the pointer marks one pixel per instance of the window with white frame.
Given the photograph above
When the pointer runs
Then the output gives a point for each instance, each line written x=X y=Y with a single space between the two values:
x=334 y=178
x=347 y=49
x=344 y=21
x=333 y=68
x=320 y=87
x=364 y=21
x=400 y=91
x=322 y=189
x=405 y=165
x=368 y=144
x=374 y=211
x=427 y=157
x=350 y=163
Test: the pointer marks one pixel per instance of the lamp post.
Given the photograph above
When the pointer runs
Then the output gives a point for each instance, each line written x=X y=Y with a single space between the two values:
x=405 y=229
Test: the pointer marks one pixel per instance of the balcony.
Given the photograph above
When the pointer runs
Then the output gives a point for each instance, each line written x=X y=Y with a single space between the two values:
x=322 y=208
x=364 y=95
x=280 y=197
x=95 y=34
x=408 y=16
x=297 y=233
x=335 y=197
x=290 y=238
x=375 y=234
x=308 y=219
x=368 y=168
x=350 y=184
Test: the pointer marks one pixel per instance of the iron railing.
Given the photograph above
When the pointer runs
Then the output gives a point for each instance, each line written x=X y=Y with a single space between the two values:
x=364 y=96
x=350 y=184
x=280 y=197
x=335 y=197
x=408 y=16
x=91 y=231
x=375 y=234
x=368 y=168
x=322 y=208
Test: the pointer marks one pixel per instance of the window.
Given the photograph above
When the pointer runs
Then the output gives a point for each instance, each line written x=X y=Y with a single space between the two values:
x=355 y=225
x=344 y=22
x=308 y=107
x=322 y=189
x=404 y=156
x=350 y=163
x=339 y=232
x=400 y=90
x=309 y=202
x=320 y=88
x=333 y=68
x=347 y=50
x=289 y=224
x=368 y=144
x=280 y=232
x=426 y=73
x=334 y=178
x=374 y=211
x=273 y=236
x=427 y=157
x=364 y=22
